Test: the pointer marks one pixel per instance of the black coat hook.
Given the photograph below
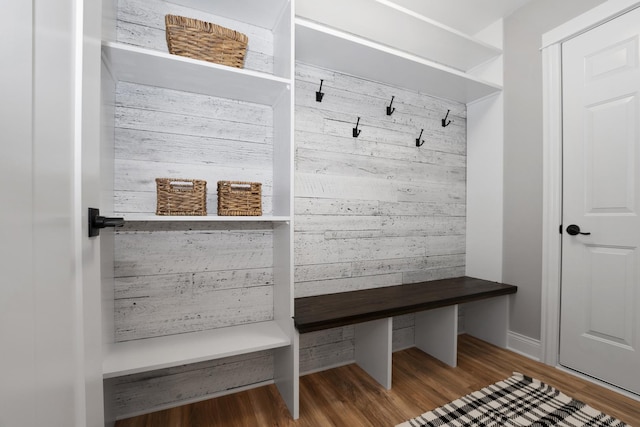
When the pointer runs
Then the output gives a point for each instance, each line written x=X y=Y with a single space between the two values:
x=356 y=132
x=418 y=142
x=319 y=93
x=446 y=123
x=389 y=109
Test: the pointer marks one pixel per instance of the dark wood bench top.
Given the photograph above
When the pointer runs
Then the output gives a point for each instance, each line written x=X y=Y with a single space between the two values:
x=346 y=308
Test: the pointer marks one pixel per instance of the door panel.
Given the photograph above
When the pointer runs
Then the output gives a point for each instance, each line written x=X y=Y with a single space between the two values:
x=610 y=157
x=610 y=294
x=600 y=323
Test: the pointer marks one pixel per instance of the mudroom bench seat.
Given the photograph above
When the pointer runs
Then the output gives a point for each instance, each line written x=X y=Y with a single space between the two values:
x=436 y=304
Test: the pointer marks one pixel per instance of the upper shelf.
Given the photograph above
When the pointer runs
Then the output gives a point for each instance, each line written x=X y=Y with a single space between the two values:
x=336 y=50
x=149 y=67
x=392 y=25
x=263 y=13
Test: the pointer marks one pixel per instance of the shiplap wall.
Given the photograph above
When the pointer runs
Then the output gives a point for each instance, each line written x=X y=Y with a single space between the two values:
x=141 y=23
x=181 y=277
x=369 y=211
x=374 y=210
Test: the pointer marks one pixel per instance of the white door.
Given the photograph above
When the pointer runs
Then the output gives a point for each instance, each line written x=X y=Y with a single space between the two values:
x=50 y=360
x=600 y=314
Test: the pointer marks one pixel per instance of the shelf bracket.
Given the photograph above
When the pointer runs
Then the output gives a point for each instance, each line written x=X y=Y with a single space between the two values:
x=96 y=222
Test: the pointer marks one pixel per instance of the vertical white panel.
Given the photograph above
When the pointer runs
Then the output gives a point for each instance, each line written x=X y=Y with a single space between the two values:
x=89 y=193
x=283 y=43
x=488 y=320
x=373 y=349
x=485 y=139
x=437 y=333
x=107 y=243
x=286 y=372
x=59 y=362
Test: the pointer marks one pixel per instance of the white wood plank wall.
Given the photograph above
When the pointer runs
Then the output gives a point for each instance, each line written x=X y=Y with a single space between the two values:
x=369 y=211
x=374 y=210
x=141 y=23
x=220 y=277
x=139 y=393
x=163 y=133
x=182 y=277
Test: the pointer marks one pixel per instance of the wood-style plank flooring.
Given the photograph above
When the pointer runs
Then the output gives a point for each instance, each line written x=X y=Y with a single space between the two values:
x=347 y=396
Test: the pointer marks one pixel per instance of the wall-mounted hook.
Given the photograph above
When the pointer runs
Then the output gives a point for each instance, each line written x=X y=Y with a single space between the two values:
x=319 y=94
x=389 y=109
x=418 y=142
x=446 y=123
x=356 y=132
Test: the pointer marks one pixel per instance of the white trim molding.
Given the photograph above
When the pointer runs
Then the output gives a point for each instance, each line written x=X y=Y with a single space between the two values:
x=551 y=203
x=607 y=11
x=524 y=345
x=552 y=164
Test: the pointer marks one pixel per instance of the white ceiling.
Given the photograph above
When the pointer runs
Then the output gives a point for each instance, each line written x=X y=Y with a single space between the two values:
x=468 y=16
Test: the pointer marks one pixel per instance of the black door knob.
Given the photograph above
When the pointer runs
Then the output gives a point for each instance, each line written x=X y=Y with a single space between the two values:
x=574 y=230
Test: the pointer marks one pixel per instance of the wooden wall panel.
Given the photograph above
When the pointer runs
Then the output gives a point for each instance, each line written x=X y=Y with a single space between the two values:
x=141 y=23
x=163 y=133
x=184 y=277
x=180 y=277
x=369 y=211
x=139 y=393
x=374 y=210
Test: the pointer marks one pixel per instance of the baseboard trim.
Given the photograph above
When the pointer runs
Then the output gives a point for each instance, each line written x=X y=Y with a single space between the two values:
x=524 y=345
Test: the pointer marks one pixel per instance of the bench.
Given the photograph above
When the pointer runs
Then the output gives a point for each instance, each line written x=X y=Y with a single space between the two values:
x=436 y=326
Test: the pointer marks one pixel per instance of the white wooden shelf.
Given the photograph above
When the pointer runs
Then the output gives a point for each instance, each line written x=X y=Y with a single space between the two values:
x=207 y=218
x=149 y=67
x=137 y=356
x=332 y=49
x=263 y=13
x=395 y=26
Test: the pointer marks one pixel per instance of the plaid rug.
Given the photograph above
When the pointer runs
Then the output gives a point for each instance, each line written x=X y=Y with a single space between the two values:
x=516 y=401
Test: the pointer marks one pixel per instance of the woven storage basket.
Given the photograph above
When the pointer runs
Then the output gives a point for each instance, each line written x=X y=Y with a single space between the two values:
x=205 y=41
x=239 y=198
x=181 y=196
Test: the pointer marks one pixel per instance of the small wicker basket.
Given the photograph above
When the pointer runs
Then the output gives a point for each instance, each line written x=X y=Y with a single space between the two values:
x=205 y=41
x=181 y=196
x=239 y=198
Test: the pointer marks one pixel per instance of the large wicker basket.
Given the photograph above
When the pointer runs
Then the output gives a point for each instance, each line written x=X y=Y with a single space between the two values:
x=205 y=41
x=181 y=196
x=239 y=198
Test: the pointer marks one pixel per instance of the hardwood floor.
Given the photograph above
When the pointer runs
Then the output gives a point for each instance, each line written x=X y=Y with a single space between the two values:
x=347 y=396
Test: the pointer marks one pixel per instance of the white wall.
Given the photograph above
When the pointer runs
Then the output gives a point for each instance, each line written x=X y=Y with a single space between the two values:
x=522 y=244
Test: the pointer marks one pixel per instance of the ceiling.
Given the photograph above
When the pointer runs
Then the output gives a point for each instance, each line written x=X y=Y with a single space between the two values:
x=467 y=16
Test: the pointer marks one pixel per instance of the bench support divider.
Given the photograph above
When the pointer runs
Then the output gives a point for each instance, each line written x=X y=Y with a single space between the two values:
x=488 y=320
x=373 y=349
x=437 y=333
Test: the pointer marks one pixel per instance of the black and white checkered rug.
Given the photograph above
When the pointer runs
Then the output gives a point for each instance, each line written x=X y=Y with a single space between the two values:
x=516 y=401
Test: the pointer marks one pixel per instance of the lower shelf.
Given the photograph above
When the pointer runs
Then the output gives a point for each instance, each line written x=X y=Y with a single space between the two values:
x=132 y=357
